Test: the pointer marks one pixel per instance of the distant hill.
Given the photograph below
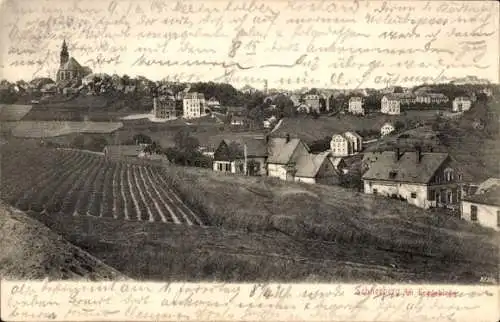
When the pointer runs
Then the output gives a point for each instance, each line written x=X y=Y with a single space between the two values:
x=30 y=250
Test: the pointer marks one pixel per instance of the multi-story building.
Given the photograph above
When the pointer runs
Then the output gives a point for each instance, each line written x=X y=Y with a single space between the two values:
x=483 y=207
x=390 y=104
x=356 y=105
x=461 y=104
x=164 y=107
x=193 y=105
x=312 y=100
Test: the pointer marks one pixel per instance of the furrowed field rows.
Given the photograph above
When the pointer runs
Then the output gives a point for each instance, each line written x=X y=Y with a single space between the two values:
x=71 y=182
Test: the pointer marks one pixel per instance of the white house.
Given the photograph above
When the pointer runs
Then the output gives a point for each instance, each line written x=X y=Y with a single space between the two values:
x=483 y=207
x=424 y=179
x=356 y=105
x=387 y=129
x=312 y=100
x=193 y=105
x=341 y=146
x=390 y=105
x=356 y=139
x=461 y=104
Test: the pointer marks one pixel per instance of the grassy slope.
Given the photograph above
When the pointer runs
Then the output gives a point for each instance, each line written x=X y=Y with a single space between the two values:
x=361 y=223
x=32 y=251
x=310 y=129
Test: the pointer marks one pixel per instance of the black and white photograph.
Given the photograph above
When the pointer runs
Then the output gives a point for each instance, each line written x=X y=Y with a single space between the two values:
x=250 y=141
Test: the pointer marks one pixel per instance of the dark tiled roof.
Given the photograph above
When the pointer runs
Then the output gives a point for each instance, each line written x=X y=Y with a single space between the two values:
x=406 y=169
x=255 y=147
x=308 y=165
x=490 y=196
x=281 y=151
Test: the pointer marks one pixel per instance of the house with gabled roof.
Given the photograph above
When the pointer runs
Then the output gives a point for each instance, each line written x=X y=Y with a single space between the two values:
x=356 y=140
x=483 y=207
x=283 y=154
x=241 y=156
x=316 y=168
x=356 y=105
x=424 y=179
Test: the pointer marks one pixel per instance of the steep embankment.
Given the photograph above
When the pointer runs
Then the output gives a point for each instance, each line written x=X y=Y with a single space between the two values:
x=30 y=250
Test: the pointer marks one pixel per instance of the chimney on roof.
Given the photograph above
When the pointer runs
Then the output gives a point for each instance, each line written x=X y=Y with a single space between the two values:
x=287 y=137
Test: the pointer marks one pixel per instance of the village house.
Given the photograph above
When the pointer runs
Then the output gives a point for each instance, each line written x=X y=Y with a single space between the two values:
x=387 y=129
x=316 y=168
x=238 y=121
x=356 y=105
x=283 y=156
x=213 y=102
x=483 y=207
x=461 y=104
x=245 y=156
x=345 y=144
x=390 y=105
x=164 y=107
x=356 y=139
x=193 y=105
x=312 y=101
x=405 y=98
x=432 y=98
x=341 y=146
x=339 y=164
x=424 y=179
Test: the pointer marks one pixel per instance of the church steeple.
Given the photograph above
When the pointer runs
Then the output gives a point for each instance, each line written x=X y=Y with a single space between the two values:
x=64 y=53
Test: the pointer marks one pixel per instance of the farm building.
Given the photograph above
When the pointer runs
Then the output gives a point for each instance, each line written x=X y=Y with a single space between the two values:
x=386 y=129
x=483 y=207
x=122 y=152
x=423 y=179
x=316 y=168
x=230 y=156
x=356 y=105
x=282 y=156
x=461 y=104
x=390 y=104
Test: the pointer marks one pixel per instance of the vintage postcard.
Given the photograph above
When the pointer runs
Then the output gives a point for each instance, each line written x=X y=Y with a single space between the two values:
x=249 y=160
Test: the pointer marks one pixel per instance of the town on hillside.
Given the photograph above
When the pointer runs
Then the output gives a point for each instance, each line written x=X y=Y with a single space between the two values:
x=401 y=173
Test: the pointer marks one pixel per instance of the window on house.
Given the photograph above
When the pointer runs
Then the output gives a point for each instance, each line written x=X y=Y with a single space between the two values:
x=375 y=191
x=413 y=195
x=393 y=174
x=431 y=195
x=473 y=213
x=228 y=167
x=220 y=166
x=498 y=218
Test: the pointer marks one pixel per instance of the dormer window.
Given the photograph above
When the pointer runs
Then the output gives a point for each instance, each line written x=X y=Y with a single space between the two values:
x=448 y=174
x=393 y=174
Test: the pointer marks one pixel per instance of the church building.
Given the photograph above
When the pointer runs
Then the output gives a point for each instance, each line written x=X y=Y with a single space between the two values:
x=69 y=68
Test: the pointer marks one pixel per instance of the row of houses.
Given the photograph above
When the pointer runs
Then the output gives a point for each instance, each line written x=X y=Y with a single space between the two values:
x=285 y=158
x=391 y=104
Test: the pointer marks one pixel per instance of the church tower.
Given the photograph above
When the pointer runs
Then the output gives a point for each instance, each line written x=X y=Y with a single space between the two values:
x=64 y=53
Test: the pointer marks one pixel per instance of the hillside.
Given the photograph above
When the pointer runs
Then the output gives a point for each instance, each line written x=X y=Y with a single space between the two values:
x=252 y=229
x=32 y=251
